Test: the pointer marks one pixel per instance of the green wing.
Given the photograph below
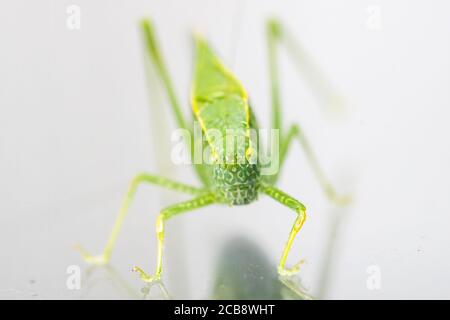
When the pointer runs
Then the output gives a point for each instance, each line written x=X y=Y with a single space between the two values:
x=218 y=99
x=212 y=79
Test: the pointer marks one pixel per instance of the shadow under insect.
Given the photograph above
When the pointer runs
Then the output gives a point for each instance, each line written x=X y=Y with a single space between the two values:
x=244 y=272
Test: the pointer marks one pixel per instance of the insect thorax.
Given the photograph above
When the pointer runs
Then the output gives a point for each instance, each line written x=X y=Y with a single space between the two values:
x=237 y=183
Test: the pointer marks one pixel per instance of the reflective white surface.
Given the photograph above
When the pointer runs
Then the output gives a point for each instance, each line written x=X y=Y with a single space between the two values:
x=76 y=126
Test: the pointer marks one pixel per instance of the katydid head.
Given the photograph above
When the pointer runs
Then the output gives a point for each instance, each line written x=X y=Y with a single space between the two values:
x=237 y=183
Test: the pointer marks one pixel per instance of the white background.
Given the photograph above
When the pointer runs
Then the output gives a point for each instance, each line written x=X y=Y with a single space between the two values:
x=76 y=125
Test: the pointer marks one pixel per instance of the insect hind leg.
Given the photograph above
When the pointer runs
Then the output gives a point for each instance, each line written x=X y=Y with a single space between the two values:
x=295 y=132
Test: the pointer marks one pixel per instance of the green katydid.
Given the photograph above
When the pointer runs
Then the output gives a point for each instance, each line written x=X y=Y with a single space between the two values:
x=219 y=101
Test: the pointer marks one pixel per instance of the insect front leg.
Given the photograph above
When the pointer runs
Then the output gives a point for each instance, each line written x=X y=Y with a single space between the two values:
x=138 y=180
x=165 y=214
x=300 y=209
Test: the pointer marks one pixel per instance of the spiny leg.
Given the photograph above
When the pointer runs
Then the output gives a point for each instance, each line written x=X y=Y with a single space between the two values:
x=275 y=34
x=154 y=53
x=295 y=132
x=300 y=209
x=165 y=214
x=156 y=57
x=272 y=34
x=139 y=179
x=319 y=83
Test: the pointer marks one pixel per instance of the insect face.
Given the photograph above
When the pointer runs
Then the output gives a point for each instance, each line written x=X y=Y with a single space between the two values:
x=237 y=183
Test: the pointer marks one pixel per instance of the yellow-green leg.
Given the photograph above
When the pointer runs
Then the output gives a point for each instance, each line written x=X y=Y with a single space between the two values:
x=319 y=83
x=300 y=209
x=295 y=132
x=154 y=53
x=138 y=180
x=276 y=35
x=165 y=214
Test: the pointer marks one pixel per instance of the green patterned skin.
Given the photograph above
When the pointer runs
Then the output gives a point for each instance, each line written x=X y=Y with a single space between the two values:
x=238 y=184
x=220 y=105
x=234 y=177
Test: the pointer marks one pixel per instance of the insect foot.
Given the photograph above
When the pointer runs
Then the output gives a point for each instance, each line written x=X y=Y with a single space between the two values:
x=343 y=200
x=145 y=277
x=284 y=272
x=340 y=200
x=99 y=260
